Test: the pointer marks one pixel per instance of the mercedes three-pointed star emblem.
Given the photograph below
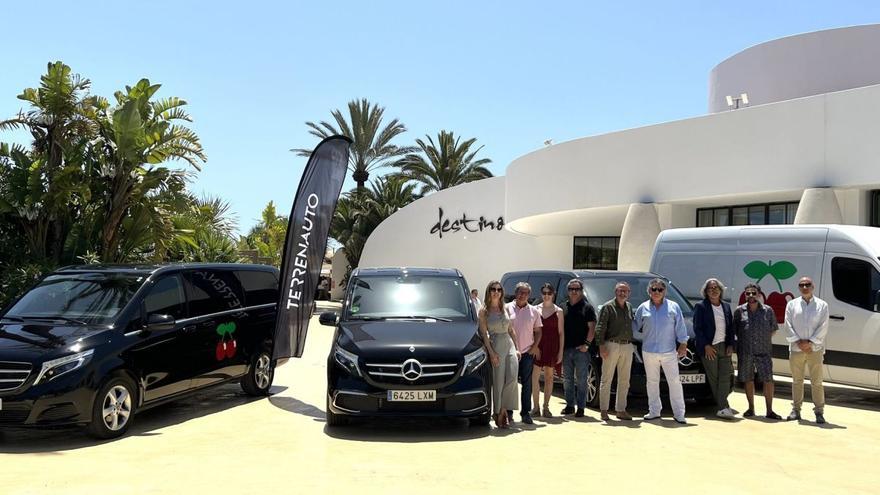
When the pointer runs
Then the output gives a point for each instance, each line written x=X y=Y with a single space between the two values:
x=412 y=369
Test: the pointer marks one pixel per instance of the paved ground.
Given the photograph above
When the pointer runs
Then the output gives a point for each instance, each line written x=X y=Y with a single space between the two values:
x=224 y=442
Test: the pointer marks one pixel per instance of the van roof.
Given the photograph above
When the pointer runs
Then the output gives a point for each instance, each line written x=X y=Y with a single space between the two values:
x=147 y=269
x=582 y=273
x=410 y=270
x=868 y=238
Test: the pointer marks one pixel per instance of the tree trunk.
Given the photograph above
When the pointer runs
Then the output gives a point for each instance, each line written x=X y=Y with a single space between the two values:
x=121 y=193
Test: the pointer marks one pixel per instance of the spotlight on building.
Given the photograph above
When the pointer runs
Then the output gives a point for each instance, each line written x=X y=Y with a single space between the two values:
x=548 y=142
x=737 y=101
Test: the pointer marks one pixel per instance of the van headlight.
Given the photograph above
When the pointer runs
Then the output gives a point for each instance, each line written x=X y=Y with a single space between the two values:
x=57 y=367
x=473 y=361
x=347 y=360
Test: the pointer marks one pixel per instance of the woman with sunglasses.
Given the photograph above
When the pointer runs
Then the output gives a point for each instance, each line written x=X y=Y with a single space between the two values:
x=552 y=338
x=498 y=337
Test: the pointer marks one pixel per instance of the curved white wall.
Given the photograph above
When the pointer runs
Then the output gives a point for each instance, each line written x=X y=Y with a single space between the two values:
x=778 y=150
x=797 y=66
x=405 y=238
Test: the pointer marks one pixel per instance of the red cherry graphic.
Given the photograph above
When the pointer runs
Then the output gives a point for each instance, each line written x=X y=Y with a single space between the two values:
x=220 y=351
x=231 y=347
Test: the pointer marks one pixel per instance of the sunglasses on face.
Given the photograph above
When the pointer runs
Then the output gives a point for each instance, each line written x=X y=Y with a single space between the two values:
x=713 y=287
x=751 y=293
x=574 y=289
x=495 y=289
x=543 y=293
x=657 y=289
x=805 y=285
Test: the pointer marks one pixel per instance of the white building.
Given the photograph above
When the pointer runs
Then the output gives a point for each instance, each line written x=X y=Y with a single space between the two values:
x=804 y=148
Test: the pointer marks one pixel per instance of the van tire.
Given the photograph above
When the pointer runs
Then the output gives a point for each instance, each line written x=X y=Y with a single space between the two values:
x=593 y=379
x=260 y=375
x=124 y=389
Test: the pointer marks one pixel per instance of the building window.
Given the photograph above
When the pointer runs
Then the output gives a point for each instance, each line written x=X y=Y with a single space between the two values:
x=599 y=253
x=760 y=214
x=874 y=217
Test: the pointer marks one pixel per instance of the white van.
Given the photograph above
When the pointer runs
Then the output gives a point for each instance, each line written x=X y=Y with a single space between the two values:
x=842 y=260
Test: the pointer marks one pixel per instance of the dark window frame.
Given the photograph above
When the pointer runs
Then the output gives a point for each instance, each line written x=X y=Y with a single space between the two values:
x=600 y=266
x=730 y=209
x=874 y=214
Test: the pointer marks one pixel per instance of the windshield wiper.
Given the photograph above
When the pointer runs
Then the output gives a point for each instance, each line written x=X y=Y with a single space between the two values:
x=57 y=318
x=416 y=317
x=366 y=318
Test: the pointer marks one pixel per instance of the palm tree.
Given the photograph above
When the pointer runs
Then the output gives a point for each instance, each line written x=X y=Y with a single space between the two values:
x=135 y=136
x=358 y=214
x=267 y=237
x=61 y=122
x=449 y=162
x=371 y=142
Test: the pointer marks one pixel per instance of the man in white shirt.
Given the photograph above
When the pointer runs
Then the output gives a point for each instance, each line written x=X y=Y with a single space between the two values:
x=806 y=325
x=475 y=301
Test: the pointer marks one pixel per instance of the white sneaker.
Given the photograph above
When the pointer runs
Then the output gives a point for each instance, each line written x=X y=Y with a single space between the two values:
x=725 y=413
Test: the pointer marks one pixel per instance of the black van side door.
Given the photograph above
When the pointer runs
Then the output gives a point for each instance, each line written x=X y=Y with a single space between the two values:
x=260 y=295
x=162 y=358
x=216 y=308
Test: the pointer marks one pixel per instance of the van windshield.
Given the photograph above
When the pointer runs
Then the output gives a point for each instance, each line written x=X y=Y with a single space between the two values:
x=389 y=297
x=600 y=290
x=82 y=298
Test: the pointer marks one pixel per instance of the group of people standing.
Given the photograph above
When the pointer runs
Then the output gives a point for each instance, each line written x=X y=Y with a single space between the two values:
x=748 y=329
x=525 y=341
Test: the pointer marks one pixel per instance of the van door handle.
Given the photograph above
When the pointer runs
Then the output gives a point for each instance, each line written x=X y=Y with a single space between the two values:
x=837 y=317
x=189 y=328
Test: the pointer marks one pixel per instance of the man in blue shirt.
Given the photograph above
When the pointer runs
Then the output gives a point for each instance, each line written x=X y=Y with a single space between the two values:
x=659 y=324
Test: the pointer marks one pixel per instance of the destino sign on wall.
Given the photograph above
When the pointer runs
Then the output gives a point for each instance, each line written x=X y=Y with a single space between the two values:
x=456 y=224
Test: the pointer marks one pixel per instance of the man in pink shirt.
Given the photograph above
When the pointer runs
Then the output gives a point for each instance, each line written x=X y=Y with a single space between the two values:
x=526 y=320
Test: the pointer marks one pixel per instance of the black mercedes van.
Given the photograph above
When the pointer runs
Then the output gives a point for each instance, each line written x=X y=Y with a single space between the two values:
x=92 y=345
x=406 y=344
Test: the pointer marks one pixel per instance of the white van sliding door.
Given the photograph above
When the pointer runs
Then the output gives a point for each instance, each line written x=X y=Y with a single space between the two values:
x=851 y=288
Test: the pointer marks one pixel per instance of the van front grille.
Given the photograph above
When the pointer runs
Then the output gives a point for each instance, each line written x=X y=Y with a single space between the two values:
x=411 y=372
x=13 y=375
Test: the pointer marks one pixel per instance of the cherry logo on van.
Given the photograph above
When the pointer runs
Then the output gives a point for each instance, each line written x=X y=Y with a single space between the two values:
x=781 y=270
x=225 y=348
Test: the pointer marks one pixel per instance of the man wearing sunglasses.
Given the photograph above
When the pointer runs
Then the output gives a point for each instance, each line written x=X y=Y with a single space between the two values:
x=579 y=325
x=754 y=325
x=806 y=324
x=659 y=324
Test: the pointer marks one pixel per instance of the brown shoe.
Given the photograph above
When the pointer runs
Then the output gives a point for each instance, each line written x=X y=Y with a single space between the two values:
x=605 y=416
x=623 y=415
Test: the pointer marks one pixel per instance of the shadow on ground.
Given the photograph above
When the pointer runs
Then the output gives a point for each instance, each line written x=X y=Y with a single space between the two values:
x=204 y=403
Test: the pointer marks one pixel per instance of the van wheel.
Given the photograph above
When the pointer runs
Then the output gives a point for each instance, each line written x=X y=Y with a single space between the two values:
x=593 y=383
x=259 y=377
x=113 y=409
x=334 y=419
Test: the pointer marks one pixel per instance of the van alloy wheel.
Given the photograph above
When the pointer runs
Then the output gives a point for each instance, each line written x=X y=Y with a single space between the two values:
x=263 y=371
x=116 y=408
x=593 y=385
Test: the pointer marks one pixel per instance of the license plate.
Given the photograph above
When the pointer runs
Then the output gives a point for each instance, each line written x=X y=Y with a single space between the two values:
x=412 y=395
x=694 y=378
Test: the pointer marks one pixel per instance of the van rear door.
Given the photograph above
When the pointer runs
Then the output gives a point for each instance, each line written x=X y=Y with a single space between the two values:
x=851 y=287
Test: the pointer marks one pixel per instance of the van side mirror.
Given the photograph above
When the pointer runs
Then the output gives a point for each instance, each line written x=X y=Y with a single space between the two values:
x=328 y=319
x=159 y=323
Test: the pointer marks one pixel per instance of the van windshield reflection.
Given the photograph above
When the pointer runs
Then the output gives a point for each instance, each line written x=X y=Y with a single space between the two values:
x=81 y=299
x=407 y=298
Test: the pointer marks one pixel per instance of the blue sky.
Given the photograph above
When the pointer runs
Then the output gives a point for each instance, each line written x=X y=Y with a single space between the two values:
x=510 y=73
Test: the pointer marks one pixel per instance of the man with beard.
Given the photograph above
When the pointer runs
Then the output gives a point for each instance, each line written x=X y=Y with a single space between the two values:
x=754 y=325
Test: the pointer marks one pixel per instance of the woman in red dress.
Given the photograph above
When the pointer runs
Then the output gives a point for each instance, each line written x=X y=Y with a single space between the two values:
x=552 y=337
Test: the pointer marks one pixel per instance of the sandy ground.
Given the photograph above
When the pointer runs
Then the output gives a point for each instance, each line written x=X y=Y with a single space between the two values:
x=222 y=441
